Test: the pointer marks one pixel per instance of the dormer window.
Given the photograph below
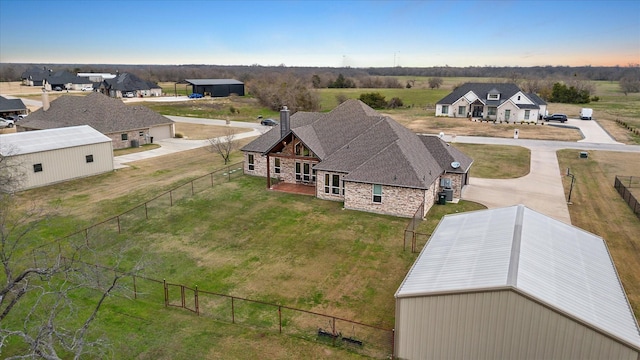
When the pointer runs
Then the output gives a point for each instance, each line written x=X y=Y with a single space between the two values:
x=493 y=97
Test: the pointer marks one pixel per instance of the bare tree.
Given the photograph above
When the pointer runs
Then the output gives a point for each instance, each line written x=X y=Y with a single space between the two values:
x=224 y=145
x=435 y=82
x=39 y=285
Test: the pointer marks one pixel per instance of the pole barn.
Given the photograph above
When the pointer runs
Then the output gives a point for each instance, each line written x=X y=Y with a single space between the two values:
x=216 y=87
x=45 y=157
x=511 y=283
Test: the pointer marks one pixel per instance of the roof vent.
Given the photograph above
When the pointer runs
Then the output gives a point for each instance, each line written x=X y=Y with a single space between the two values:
x=455 y=164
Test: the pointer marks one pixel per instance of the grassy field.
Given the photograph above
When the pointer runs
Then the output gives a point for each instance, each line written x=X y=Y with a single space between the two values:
x=599 y=209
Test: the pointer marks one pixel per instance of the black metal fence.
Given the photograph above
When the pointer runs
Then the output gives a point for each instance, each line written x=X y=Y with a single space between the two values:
x=411 y=235
x=368 y=340
x=622 y=185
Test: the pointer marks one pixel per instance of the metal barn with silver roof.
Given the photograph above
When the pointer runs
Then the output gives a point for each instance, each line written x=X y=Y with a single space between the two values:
x=50 y=156
x=511 y=283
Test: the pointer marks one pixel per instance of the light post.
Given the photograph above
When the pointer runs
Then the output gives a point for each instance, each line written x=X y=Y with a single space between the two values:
x=573 y=180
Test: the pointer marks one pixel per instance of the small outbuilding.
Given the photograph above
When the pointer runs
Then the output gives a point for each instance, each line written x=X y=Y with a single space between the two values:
x=216 y=87
x=51 y=156
x=511 y=283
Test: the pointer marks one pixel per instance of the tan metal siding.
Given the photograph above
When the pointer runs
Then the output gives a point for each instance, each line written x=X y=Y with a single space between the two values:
x=495 y=325
x=66 y=164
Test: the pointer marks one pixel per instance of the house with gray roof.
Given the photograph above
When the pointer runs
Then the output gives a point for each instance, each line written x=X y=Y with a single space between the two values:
x=492 y=101
x=357 y=156
x=511 y=283
x=12 y=107
x=128 y=85
x=126 y=125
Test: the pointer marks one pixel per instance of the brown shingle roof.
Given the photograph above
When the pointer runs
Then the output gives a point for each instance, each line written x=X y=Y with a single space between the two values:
x=356 y=140
x=105 y=114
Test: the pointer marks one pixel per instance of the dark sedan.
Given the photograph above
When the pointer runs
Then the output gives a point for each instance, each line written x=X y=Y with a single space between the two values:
x=269 y=122
x=556 y=117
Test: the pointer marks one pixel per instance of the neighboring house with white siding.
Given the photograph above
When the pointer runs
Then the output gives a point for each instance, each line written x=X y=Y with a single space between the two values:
x=40 y=158
x=357 y=156
x=511 y=283
x=126 y=125
x=492 y=101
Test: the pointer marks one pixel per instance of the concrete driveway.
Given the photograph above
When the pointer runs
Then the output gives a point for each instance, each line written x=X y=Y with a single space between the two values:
x=541 y=189
x=172 y=145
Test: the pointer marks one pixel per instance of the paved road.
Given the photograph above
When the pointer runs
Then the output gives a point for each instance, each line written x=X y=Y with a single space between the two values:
x=540 y=190
x=172 y=145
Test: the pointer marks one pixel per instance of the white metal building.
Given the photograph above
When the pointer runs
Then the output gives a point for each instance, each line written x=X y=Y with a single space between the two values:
x=511 y=283
x=50 y=156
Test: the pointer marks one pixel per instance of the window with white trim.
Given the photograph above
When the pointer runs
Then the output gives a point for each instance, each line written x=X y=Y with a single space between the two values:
x=507 y=114
x=493 y=97
x=326 y=183
x=250 y=159
x=462 y=110
x=335 y=184
x=298 y=171
x=124 y=137
x=377 y=193
x=445 y=109
x=276 y=165
x=491 y=110
x=527 y=114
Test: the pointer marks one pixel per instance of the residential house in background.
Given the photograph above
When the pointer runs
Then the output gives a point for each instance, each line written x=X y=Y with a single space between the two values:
x=12 y=107
x=127 y=126
x=127 y=85
x=492 y=101
x=357 y=156
x=59 y=80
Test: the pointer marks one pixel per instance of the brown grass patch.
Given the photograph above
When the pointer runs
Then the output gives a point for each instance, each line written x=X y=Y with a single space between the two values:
x=202 y=131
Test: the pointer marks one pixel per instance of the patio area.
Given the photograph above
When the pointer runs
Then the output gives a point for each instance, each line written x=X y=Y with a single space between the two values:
x=295 y=188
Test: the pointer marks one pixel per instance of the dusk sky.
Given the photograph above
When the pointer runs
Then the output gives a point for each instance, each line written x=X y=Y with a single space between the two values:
x=329 y=33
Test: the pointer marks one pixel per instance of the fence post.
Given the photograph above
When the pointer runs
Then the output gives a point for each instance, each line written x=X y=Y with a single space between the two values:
x=182 y=296
x=135 y=288
x=233 y=314
x=333 y=330
x=211 y=179
x=146 y=211
x=192 y=188
x=280 y=317
x=171 y=198
x=118 y=219
x=196 y=299
x=166 y=293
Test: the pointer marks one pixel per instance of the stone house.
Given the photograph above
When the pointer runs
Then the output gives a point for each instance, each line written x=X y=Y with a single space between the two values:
x=357 y=156
x=492 y=101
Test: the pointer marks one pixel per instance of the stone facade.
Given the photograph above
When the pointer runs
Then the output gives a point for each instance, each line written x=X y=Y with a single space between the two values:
x=118 y=143
x=396 y=201
x=320 y=187
x=457 y=182
x=259 y=164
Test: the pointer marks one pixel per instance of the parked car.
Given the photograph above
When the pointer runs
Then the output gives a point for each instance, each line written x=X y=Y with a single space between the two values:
x=87 y=88
x=128 y=94
x=12 y=118
x=57 y=88
x=586 y=114
x=195 y=96
x=556 y=117
x=4 y=123
x=269 y=122
x=22 y=116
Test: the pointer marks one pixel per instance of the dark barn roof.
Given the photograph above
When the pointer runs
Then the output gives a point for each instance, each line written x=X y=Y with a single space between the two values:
x=201 y=82
x=7 y=105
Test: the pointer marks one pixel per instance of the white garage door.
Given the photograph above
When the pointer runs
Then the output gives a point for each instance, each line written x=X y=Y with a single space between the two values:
x=161 y=132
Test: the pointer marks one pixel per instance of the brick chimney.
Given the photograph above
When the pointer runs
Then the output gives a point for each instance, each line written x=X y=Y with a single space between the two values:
x=285 y=126
x=45 y=100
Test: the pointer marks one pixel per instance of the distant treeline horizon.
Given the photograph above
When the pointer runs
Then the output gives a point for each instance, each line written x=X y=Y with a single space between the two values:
x=177 y=73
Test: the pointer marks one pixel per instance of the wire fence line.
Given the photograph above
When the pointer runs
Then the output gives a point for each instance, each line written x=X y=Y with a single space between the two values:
x=369 y=340
x=622 y=184
x=411 y=235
